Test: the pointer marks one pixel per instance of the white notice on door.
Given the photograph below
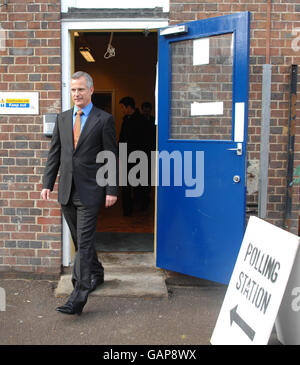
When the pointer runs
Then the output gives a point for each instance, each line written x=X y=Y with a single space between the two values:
x=239 y=122
x=214 y=108
x=256 y=286
x=201 y=52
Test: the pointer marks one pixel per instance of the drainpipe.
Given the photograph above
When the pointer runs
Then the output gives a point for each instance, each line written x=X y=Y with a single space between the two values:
x=265 y=122
x=291 y=148
x=268 y=31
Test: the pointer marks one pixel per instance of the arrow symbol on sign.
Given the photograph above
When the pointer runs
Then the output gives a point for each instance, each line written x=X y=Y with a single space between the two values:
x=235 y=317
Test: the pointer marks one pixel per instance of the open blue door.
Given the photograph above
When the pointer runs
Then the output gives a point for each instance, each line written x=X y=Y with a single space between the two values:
x=202 y=130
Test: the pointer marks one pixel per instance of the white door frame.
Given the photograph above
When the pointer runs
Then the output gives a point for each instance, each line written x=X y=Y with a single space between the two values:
x=68 y=25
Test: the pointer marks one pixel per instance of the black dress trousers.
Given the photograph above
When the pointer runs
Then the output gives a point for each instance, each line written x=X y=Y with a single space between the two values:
x=82 y=222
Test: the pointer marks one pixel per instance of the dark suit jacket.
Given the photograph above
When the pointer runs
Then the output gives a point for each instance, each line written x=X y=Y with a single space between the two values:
x=98 y=134
x=138 y=132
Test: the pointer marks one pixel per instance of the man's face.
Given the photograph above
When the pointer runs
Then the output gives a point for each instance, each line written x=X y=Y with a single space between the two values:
x=81 y=94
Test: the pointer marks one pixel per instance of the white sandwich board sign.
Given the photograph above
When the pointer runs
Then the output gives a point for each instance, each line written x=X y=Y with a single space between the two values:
x=256 y=286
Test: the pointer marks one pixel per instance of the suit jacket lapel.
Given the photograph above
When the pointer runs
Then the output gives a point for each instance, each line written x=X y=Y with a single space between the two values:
x=68 y=123
x=91 y=121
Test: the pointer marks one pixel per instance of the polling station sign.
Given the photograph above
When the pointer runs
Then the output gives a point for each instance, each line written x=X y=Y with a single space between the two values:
x=256 y=286
x=19 y=103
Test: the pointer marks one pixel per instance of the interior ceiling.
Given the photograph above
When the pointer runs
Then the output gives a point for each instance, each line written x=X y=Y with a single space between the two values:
x=121 y=41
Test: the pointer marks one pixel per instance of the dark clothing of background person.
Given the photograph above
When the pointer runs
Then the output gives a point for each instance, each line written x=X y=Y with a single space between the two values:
x=132 y=134
x=151 y=136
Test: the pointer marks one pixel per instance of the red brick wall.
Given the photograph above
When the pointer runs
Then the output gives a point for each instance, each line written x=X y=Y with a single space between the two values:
x=30 y=229
x=285 y=17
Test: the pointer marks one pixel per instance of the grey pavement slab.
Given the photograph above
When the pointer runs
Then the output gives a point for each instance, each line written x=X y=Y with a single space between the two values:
x=126 y=275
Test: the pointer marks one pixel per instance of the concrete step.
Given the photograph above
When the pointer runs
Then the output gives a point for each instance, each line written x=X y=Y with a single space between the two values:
x=125 y=275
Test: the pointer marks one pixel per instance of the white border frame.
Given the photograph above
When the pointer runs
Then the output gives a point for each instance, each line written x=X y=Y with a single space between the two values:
x=68 y=25
x=115 y=4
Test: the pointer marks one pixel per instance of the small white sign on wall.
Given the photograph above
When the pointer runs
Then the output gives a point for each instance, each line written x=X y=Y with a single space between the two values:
x=256 y=286
x=19 y=102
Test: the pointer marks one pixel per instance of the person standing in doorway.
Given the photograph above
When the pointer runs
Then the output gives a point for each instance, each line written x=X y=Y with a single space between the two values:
x=149 y=127
x=131 y=134
x=79 y=135
x=150 y=144
x=147 y=111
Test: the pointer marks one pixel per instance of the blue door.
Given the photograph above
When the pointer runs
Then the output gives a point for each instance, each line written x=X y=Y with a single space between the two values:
x=202 y=130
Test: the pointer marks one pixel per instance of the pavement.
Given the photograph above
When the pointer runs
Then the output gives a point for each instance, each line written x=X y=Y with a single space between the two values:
x=182 y=311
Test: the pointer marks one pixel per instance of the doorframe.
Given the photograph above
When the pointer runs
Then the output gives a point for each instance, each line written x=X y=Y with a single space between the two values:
x=112 y=92
x=68 y=26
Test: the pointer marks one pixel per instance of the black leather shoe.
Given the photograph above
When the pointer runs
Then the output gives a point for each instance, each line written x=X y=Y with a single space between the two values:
x=69 y=308
x=95 y=282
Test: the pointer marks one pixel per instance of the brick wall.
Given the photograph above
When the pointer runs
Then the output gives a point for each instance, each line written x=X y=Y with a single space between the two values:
x=285 y=17
x=30 y=229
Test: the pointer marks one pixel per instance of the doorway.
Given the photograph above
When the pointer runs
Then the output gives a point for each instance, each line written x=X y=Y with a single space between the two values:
x=131 y=71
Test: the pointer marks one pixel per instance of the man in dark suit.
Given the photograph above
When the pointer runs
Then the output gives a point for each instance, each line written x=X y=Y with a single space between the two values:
x=137 y=132
x=79 y=135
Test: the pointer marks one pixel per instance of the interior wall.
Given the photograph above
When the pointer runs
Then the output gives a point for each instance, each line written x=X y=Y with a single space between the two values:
x=130 y=73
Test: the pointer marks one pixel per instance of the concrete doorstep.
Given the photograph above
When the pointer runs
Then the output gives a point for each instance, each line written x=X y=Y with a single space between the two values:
x=125 y=275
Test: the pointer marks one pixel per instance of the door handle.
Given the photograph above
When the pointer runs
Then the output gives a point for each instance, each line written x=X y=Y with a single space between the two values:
x=238 y=149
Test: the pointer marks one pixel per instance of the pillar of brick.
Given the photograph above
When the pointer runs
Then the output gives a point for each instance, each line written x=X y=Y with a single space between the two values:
x=30 y=229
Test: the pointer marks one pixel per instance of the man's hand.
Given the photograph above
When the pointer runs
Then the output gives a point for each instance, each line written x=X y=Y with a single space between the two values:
x=110 y=200
x=45 y=194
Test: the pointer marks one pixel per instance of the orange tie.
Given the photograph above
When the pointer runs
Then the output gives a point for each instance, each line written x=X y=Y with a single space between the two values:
x=77 y=127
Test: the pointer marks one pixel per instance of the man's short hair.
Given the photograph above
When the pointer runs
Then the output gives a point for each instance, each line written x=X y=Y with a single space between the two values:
x=128 y=100
x=88 y=78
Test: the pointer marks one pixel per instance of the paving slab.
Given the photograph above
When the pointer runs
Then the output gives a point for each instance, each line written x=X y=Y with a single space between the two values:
x=126 y=275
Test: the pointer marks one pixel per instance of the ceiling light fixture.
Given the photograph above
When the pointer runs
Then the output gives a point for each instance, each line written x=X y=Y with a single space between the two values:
x=86 y=53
